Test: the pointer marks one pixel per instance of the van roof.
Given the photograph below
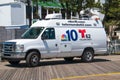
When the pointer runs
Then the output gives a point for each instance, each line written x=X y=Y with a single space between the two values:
x=67 y=23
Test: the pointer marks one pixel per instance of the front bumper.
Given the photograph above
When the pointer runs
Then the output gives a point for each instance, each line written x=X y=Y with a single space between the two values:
x=13 y=56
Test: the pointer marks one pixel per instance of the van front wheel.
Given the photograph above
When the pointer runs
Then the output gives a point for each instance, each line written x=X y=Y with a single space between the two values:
x=33 y=59
x=87 y=56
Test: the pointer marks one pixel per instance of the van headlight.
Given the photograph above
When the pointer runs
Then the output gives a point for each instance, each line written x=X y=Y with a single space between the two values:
x=19 y=48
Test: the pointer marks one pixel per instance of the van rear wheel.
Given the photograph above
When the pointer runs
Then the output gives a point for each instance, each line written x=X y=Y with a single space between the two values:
x=32 y=59
x=88 y=55
x=68 y=59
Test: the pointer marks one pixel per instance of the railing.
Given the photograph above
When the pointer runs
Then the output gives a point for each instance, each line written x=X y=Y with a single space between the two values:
x=113 y=47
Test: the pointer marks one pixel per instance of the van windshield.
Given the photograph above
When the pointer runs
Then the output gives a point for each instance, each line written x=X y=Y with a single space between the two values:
x=32 y=33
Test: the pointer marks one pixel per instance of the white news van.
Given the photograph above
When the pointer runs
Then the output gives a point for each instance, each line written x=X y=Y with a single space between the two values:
x=57 y=38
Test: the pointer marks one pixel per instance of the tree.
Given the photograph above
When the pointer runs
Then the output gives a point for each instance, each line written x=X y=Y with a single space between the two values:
x=89 y=4
x=69 y=6
x=74 y=6
x=78 y=5
x=35 y=9
x=112 y=14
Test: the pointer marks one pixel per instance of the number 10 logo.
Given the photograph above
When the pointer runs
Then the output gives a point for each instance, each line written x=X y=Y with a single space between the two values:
x=73 y=35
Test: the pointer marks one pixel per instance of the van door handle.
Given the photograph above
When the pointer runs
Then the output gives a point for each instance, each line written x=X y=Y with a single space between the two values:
x=56 y=45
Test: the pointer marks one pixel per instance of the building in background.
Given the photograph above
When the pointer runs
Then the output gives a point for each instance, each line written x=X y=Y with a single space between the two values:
x=12 y=19
x=12 y=13
x=17 y=12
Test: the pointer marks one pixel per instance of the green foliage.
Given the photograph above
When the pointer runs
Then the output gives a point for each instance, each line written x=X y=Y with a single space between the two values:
x=112 y=13
x=111 y=9
x=74 y=5
x=89 y=3
x=78 y=5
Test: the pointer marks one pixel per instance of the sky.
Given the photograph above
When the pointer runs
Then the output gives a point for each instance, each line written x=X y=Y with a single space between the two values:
x=102 y=1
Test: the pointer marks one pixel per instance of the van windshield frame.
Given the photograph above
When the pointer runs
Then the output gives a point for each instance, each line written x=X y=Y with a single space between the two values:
x=32 y=33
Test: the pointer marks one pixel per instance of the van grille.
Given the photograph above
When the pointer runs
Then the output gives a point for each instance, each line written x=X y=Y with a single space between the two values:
x=9 y=47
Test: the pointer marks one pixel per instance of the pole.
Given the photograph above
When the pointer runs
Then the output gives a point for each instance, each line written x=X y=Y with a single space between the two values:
x=30 y=10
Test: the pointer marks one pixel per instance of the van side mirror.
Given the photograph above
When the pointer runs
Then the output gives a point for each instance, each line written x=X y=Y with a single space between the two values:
x=43 y=38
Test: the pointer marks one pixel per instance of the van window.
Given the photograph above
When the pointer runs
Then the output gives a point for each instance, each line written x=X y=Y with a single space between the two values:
x=49 y=33
x=32 y=33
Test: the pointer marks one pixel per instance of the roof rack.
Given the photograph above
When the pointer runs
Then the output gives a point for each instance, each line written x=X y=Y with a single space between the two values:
x=53 y=16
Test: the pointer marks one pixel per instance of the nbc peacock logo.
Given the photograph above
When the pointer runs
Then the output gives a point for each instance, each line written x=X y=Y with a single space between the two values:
x=64 y=37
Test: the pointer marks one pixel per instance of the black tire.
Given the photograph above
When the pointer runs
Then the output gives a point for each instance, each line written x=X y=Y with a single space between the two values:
x=68 y=59
x=14 y=62
x=33 y=59
x=88 y=55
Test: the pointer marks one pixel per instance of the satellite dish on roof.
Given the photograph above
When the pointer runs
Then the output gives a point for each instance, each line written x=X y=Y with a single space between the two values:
x=82 y=12
x=97 y=14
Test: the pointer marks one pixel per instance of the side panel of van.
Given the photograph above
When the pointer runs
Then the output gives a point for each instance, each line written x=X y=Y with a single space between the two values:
x=73 y=41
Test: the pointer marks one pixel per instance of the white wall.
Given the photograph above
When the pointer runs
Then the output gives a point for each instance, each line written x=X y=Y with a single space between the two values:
x=118 y=34
x=18 y=14
x=13 y=14
x=6 y=1
x=5 y=15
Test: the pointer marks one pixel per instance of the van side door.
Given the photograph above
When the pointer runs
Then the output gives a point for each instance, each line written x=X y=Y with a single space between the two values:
x=50 y=43
x=63 y=43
